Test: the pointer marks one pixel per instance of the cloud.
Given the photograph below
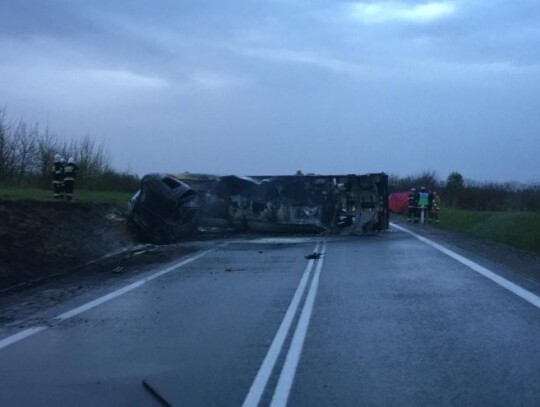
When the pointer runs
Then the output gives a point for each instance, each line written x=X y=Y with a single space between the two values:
x=72 y=87
x=384 y=12
x=120 y=79
x=216 y=81
x=302 y=57
x=454 y=69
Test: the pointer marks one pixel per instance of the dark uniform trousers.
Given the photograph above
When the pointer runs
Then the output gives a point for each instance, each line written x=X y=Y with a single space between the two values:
x=58 y=180
x=413 y=206
x=69 y=180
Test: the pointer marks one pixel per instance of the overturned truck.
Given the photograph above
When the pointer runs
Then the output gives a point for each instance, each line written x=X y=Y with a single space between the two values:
x=168 y=207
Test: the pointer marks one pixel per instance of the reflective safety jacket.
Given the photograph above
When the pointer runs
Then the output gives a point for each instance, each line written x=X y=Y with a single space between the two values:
x=437 y=202
x=413 y=199
x=70 y=172
x=58 y=173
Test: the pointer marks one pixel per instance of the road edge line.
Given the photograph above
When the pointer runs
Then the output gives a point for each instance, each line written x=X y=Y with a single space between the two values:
x=21 y=335
x=98 y=301
x=101 y=300
x=497 y=279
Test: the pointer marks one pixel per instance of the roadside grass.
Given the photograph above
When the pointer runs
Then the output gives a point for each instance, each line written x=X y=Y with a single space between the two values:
x=35 y=194
x=518 y=229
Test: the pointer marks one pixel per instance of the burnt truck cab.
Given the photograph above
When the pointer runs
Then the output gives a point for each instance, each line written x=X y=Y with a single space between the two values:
x=163 y=209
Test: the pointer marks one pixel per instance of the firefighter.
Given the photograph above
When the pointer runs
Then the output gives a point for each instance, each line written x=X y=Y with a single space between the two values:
x=58 y=177
x=431 y=196
x=435 y=208
x=413 y=205
x=70 y=173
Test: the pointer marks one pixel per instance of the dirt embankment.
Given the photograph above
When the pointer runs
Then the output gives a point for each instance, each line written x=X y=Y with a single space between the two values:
x=39 y=239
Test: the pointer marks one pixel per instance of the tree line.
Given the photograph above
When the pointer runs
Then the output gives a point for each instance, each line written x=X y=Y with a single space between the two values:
x=458 y=192
x=27 y=156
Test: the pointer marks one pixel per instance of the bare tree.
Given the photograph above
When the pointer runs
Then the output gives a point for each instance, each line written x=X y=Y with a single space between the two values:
x=8 y=157
x=3 y=146
x=25 y=148
x=426 y=178
x=46 y=148
x=27 y=155
x=91 y=159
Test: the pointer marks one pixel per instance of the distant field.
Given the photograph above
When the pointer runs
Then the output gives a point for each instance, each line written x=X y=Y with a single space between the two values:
x=115 y=198
x=518 y=229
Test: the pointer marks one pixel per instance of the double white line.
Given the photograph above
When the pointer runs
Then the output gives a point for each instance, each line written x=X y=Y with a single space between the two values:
x=286 y=378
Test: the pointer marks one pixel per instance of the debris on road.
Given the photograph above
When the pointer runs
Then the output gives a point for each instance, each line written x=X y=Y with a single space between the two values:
x=228 y=269
x=313 y=256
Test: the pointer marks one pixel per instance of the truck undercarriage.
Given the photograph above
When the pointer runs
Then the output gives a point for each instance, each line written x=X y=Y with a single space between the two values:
x=167 y=207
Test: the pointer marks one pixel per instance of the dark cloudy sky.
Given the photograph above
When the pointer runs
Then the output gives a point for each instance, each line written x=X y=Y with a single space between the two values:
x=259 y=87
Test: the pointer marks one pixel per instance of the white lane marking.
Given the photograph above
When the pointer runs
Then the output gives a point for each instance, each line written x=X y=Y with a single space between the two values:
x=20 y=336
x=286 y=378
x=259 y=384
x=514 y=288
x=92 y=304
x=121 y=291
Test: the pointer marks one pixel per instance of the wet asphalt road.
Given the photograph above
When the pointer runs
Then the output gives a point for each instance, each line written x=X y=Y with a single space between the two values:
x=381 y=320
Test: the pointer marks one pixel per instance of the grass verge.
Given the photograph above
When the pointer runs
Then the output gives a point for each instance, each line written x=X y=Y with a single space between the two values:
x=35 y=194
x=518 y=229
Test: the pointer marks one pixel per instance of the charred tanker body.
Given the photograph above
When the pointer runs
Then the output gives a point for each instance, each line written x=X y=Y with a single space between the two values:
x=288 y=204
